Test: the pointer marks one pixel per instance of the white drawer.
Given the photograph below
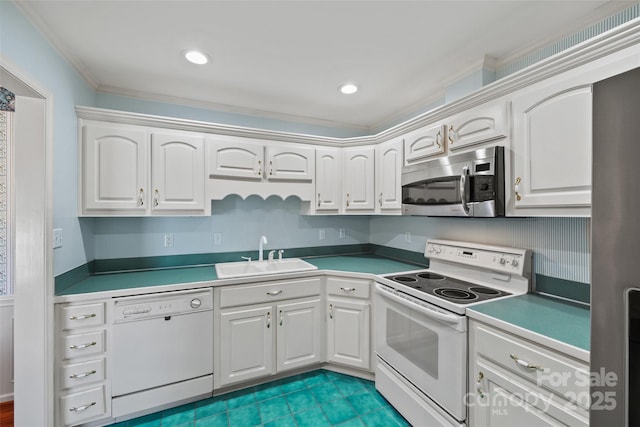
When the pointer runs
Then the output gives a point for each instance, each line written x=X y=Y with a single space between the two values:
x=81 y=345
x=81 y=316
x=358 y=288
x=266 y=292
x=83 y=406
x=544 y=367
x=82 y=373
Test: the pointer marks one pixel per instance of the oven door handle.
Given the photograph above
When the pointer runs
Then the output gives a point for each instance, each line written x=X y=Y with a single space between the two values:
x=428 y=312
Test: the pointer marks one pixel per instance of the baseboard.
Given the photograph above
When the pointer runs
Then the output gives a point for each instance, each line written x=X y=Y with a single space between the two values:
x=6 y=397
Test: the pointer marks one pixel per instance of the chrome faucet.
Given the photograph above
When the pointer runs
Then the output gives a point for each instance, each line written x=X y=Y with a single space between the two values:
x=263 y=241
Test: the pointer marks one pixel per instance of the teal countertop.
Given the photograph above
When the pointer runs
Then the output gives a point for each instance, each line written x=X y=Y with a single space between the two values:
x=363 y=263
x=556 y=319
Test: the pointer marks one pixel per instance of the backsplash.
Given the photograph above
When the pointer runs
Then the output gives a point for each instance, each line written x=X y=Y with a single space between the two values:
x=240 y=224
x=561 y=246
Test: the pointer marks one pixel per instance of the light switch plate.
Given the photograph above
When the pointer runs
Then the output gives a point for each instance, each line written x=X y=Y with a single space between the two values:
x=57 y=238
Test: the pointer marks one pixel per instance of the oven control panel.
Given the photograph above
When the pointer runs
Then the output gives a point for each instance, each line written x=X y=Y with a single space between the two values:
x=507 y=260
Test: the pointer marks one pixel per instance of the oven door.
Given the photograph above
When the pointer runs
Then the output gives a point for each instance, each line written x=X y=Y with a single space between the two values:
x=426 y=345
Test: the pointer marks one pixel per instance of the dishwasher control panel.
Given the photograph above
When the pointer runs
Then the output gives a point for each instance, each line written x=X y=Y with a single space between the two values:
x=127 y=309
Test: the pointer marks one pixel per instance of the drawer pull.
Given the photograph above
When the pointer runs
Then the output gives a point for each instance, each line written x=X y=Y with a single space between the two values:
x=81 y=346
x=525 y=364
x=82 y=408
x=83 y=374
x=347 y=289
x=83 y=316
x=274 y=293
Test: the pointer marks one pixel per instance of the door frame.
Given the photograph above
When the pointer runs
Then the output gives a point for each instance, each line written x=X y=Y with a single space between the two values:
x=33 y=257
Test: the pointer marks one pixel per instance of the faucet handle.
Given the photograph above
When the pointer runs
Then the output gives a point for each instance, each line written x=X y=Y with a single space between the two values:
x=280 y=252
x=246 y=258
x=271 y=254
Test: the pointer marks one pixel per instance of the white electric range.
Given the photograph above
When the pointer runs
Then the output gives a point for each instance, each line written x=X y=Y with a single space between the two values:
x=421 y=327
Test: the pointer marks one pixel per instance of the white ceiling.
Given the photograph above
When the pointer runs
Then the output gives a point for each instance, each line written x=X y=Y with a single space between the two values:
x=285 y=59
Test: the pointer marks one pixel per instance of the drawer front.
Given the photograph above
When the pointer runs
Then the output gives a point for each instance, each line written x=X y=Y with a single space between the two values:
x=357 y=288
x=266 y=292
x=83 y=406
x=83 y=373
x=81 y=345
x=541 y=366
x=82 y=316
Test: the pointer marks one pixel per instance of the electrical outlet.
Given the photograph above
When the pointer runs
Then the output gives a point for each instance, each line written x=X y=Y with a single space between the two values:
x=407 y=237
x=168 y=240
x=321 y=234
x=343 y=233
x=217 y=239
x=57 y=238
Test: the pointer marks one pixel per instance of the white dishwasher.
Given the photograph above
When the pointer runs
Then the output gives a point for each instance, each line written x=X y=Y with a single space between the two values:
x=162 y=350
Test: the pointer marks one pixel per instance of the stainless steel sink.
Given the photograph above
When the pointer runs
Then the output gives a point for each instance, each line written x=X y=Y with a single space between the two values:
x=229 y=270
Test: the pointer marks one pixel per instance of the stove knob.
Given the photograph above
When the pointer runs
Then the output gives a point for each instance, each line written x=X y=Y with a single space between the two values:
x=430 y=249
x=503 y=261
x=514 y=262
x=438 y=249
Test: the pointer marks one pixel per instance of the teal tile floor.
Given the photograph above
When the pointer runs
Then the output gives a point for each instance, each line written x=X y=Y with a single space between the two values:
x=319 y=398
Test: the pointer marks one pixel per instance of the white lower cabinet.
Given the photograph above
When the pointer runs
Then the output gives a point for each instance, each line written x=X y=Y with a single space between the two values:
x=514 y=381
x=272 y=335
x=82 y=382
x=348 y=325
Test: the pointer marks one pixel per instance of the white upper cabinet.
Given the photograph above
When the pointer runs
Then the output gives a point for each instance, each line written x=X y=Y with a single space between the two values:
x=134 y=171
x=236 y=158
x=552 y=146
x=359 y=180
x=423 y=143
x=388 y=173
x=552 y=137
x=114 y=168
x=328 y=180
x=478 y=125
x=177 y=172
x=289 y=163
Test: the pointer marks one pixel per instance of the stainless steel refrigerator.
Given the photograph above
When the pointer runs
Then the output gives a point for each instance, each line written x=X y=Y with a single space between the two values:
x=615 y=254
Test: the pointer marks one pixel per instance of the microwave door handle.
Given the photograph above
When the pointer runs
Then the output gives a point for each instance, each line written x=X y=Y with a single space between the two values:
x=463 y=190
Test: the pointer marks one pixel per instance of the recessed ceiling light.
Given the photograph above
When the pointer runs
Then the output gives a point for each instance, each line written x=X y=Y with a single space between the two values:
x=196 y=57
x=348 y=88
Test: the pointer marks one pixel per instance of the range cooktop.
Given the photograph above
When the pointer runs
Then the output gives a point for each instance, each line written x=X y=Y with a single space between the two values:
x=447 y=288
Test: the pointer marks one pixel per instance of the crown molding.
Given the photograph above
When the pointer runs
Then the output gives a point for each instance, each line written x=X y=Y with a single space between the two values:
x=612 y=41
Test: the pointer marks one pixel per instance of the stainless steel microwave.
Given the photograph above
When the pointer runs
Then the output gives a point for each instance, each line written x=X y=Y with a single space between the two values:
x=468 y=184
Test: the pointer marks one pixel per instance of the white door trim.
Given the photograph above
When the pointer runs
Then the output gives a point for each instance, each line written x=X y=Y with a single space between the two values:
x=34 y=283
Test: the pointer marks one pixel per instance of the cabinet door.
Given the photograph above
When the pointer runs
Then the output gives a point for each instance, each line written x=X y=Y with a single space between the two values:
x=423 y=143
x=348 y=333
x=177 y=172
x=114 y=168
x=247 y=339
x=552 y=147
x=478 y=125
x=289 y=163
x=300 y=334
x=359 y=179
x=236 y=158
x=388 y=176
x=498 y=400
x=328 y=180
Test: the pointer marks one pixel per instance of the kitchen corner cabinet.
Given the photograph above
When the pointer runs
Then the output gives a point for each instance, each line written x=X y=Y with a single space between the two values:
x=82 y=384
x=266 y=328
x=359 y=182
x=329 y=180
x=348 y=324
x=129 y=170
x=514 y=381
x=388 y=176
